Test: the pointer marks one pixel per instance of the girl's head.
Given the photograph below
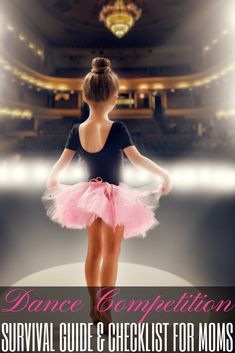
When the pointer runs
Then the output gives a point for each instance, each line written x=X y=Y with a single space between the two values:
x=100 y=85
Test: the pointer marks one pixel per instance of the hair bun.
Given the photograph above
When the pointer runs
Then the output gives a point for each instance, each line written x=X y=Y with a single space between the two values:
x=101 y=65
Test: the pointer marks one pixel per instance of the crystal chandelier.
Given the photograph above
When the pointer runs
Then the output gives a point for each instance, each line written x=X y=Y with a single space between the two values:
x=119 y=18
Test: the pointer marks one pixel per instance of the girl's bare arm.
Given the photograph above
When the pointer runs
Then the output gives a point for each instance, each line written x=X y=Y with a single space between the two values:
x=139 y=160
x=62 y=163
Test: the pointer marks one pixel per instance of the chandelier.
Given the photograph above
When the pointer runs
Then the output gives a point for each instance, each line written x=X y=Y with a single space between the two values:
x=119 y=18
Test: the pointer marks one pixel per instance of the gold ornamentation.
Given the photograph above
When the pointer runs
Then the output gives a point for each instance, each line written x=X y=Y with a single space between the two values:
x=119 y=18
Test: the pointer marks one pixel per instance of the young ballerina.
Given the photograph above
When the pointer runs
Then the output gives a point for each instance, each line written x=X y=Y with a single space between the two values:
x=109 y=209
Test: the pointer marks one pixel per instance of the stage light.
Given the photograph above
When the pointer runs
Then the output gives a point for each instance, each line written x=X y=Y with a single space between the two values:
x=183 y=85
x=32 y=81
x=206 y=80
x=225 y=113
x=16 y=112
x=222 y=174
x=48 y=86
x=16 y=72
x=187 y=176
x=197 y=83
x=26 y=114
x=137 y=177
x=24 y=77
x=7 y=67
x=4 y=111
x=3 y=173
x=22 y=37
x=214 y=77
x=39 y=172
x=73 y=174
x=31 y=45
x=231 y=67
x=10 y=28
x=144 y=86
x=62 y=88
x=222 y=73
x=184 y=178
x=158 y=86
x=18 y=174
x=207 y=177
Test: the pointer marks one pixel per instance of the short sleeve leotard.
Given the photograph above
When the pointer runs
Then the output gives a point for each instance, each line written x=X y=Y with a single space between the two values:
x=106 y=163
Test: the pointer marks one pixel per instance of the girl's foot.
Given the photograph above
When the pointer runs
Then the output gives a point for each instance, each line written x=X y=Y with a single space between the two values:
x=106 y=318
x=103 y=317
x=95 y=316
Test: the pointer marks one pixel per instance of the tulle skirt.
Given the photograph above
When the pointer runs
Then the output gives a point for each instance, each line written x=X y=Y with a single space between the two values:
x=77 y=206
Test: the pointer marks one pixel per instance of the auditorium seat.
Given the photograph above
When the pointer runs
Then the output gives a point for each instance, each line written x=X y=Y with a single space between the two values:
x=147 y=136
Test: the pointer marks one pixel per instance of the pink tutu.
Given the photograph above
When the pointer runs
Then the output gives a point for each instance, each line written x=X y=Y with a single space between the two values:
x=77 y=206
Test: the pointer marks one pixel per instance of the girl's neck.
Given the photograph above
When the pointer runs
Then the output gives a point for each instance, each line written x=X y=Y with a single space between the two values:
x=97 y=115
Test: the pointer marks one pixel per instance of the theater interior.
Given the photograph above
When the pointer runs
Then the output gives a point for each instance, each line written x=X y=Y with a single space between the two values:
x=176 y=65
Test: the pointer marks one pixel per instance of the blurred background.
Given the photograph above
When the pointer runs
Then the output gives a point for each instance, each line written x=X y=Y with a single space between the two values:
x=176 y=65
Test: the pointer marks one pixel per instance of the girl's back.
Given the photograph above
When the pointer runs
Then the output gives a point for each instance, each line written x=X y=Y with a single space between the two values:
x=93 y=134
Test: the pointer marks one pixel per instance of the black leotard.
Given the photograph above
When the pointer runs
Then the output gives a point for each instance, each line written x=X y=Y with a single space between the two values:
x=106 y=163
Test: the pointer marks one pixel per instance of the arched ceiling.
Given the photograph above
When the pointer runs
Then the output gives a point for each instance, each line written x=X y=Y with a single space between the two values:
x=76 y=22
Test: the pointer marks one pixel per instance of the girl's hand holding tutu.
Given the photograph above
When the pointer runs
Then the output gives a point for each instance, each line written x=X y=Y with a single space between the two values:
x=167 y=185
x=52 y=186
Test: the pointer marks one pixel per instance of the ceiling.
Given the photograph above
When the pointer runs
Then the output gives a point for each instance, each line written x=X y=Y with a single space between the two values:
x=75 y=22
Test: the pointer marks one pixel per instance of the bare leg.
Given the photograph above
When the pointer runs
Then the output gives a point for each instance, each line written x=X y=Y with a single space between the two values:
x=92 y=264
x=111 y=251
x=102 y=240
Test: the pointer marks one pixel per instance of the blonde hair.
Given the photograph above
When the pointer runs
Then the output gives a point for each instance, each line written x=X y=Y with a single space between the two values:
x=101 y=82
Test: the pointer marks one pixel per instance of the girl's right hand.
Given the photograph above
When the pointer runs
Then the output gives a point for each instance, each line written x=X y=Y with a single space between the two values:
x=52 y=185
x=167 y=185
